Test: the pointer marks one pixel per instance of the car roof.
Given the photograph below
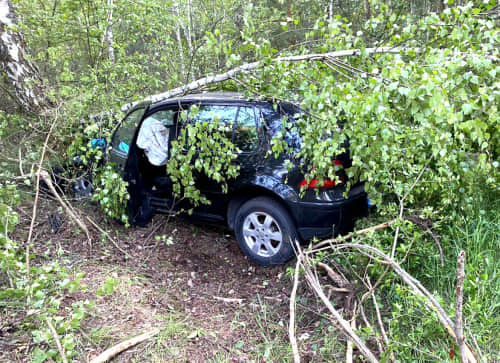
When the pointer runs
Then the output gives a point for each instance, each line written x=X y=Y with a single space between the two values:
x=236 y=97
x=206 y=96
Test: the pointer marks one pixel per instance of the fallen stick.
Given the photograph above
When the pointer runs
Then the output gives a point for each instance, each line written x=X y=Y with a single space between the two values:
x=350 y=344
x=417 y=288
x=356 y=233
x=312 y=278
x=291 y=327
x=229 y=300
x=35 y=202
x=45 y=176
x=459 y=302
x=58 y=341
x=335 y=276
x=117 y=349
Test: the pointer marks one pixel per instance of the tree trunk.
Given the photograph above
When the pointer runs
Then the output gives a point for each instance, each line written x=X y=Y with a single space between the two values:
x=19 y=72
x=368 y=11
x=175 y=8
x=109 y=32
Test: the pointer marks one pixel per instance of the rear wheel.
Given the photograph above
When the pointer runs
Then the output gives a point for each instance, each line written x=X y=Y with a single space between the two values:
x=265 y=231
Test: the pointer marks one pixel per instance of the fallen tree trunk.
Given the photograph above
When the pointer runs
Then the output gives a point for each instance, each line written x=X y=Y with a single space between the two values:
x=205 y=81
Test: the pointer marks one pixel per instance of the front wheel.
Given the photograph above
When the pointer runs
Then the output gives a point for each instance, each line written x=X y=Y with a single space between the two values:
x=265 y=232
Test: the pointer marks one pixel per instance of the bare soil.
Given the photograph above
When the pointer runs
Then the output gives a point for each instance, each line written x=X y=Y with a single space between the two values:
x=211 y=303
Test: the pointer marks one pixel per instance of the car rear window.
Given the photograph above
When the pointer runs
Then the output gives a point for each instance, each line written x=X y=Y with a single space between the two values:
x=283 y=116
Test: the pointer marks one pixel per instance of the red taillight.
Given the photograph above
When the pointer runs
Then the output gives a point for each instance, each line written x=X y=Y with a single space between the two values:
x=316 y=183
x=326 y=183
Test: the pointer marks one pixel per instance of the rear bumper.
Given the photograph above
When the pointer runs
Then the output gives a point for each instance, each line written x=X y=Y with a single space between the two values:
x=326 y=219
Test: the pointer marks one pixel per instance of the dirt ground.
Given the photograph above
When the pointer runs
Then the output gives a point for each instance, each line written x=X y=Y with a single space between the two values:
x=192 y=281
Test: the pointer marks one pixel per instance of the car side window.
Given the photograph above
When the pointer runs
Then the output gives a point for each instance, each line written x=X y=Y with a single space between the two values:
x=237 y=121
x=123 y=135
x=245 y=134
x=206 y=113
x=225 y=114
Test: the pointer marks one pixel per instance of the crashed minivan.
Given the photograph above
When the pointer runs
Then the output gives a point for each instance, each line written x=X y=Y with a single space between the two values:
x=269 y=205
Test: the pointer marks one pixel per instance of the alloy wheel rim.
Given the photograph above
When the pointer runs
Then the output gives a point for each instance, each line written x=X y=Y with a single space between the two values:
x=262 y=234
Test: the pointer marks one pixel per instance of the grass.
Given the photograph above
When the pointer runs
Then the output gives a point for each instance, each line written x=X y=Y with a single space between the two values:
x=478 y=234
x=480 y=239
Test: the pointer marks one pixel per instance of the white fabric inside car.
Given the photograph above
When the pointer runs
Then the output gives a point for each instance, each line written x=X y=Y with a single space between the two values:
x=153 y=139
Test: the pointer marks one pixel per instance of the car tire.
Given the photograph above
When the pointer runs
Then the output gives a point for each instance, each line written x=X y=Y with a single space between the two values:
x=82 y=188
x=265 y=232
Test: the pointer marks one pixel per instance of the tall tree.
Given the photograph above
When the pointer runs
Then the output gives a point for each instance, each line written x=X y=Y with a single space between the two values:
x=20 y=72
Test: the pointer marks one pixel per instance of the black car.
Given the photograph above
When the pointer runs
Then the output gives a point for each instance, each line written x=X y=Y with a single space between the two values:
x=269 y=205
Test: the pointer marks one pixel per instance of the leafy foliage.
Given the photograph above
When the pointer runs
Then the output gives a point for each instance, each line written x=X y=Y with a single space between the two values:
x=423 y=126
x=35 y=295
x=202 y=148
x=111 y=193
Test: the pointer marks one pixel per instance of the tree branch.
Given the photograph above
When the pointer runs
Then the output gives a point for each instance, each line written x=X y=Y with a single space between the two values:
x=291 y=327
x=58 y=341
x=459 y=302
x=117 y=349
x=205 y=81
x=417 y=288
x=337 y=317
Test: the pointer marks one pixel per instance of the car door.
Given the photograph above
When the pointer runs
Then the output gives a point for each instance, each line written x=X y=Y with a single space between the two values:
x=121 y=141
x=244 y=132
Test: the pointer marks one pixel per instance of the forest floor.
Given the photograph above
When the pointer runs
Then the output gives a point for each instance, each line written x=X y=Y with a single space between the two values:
x=209 y=301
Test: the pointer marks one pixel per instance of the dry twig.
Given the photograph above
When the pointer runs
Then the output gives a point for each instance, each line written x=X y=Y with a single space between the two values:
x=58 y=341
x=336 y=316
x=108 y=236
x=350 y=345
x=117 y=349
x=379 y=318
x=356 y=233
x=45 y=176
x=459 y=301
x=417 y=288
x=37 y=194
x=291 y=327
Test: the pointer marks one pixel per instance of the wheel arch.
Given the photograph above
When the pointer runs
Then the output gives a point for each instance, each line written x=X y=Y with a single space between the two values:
x=243 y=195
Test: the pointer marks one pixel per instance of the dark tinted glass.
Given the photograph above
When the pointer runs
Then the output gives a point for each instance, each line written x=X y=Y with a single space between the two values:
x=245 y=131
x=283 y=116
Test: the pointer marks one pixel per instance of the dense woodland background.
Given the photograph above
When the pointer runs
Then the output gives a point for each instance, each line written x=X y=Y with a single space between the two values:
x=418 y=101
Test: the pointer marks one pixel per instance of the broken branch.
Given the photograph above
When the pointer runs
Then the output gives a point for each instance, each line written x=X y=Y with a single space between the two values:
x=58 y=341
x=37 y=194
x=356 y=233
x=45 y=176
x=117 y=349
x=291 y=327
x=345 y=325
x=205 y=81
x=459 y=301
x=417 y=288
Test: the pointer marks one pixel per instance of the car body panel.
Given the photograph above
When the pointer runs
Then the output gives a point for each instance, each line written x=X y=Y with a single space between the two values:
x=314 y=213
